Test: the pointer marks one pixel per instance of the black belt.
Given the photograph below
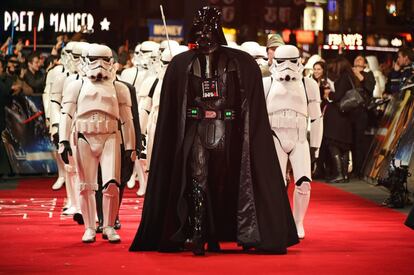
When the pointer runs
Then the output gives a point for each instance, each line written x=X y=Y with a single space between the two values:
x=198 y=113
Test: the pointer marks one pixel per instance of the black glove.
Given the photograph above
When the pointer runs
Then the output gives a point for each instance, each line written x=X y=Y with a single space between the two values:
x=67 y=151
x=313 y=156
x=55 y=140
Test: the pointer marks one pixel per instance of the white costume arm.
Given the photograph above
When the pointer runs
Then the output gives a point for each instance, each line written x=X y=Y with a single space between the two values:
x=56 y=90
x=145 y=102
x=314 y=111
x=46 y=93
x=125 y=115
x=69 y=104
x=267 y=83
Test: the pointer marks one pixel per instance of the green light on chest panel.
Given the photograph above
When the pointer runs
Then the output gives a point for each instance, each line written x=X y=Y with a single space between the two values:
x=228 y=114
x=193 y=111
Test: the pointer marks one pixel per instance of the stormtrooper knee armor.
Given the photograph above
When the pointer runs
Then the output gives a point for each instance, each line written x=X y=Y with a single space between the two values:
x=291 y=102
x=96 y=106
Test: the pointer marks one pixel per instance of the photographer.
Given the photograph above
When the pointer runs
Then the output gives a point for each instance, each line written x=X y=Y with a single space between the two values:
x=15 y=72
x=401 y=71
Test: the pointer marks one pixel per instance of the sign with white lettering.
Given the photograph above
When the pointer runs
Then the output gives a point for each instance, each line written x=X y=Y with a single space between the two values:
x=175 y=30
x=62 y=22
x=354 y=39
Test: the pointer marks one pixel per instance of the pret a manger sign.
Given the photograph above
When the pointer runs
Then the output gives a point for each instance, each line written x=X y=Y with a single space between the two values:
x=25 y=21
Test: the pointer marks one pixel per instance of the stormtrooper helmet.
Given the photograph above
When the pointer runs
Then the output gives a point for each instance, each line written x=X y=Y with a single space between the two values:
x=136 y=58
x=167 y=56
x=164 y=44
x=99 y=62
x=143 y=57
x=77 y=57
x=66 y=55
x=287 y=64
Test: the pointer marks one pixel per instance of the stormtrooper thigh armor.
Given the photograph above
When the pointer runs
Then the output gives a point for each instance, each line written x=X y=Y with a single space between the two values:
x=290 y=130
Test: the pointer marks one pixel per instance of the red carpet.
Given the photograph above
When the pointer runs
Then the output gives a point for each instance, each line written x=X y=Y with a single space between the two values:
x=345 y=235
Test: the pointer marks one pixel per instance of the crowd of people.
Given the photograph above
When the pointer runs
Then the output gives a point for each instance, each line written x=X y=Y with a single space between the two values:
x=24 y=73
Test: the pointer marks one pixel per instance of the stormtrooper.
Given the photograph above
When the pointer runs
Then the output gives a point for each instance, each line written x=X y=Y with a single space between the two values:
x=136 y=76
x=76 y=65
x=53 y=76
x=97 y=107
x=210 y=152
x=257 y=52
x=291 y=100
x=150 y=104
x=56 y=92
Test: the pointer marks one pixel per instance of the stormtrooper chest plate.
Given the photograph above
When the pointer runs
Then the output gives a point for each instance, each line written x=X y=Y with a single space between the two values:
x=287 y=96
x=98 y=97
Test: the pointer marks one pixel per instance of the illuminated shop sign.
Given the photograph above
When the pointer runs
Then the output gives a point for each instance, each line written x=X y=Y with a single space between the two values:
x=157 y=31
x=345 y=39
x=63 y=22
x=313 y=19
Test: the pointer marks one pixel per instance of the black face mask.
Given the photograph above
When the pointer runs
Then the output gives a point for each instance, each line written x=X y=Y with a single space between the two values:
x=206 y=31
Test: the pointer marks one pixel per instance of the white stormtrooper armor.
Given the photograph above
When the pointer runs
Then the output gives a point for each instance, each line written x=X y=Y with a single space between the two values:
x=257 y=52
x=291 y=101
x=234 y=45
x=135 y=76
x=52 y=78
x=96 y=106
x=152 y=102
x=164 y=45
x=380 y=79
x=56 y=91
x=76 y=64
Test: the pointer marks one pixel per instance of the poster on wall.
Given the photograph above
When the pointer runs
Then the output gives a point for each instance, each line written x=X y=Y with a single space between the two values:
x=26 y=139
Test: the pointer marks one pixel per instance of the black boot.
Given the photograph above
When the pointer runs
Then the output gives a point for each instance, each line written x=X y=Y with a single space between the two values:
x=196 y=242
x=336 y=165
x=345 y=165
x=117 y=223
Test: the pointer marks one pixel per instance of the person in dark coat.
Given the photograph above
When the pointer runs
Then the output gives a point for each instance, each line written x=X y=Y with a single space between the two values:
x=337 y=130
x=245 y=200
x=321 y=167
x=34 y=77
x=359 y=116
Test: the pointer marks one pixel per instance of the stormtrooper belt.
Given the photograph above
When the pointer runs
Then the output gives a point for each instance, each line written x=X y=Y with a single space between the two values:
x=198 y=113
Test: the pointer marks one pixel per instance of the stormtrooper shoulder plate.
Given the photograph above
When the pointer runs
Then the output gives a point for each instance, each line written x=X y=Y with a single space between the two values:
x=72 y=91
x=287 y=95
x=123 y=94
x=147 y=85
x=129 y=75
x=69 y=79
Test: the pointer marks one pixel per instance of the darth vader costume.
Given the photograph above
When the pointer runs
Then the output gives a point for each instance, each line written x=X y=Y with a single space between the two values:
x=214 y=172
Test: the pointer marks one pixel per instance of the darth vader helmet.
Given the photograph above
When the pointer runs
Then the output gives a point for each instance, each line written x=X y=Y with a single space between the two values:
x=206 y=32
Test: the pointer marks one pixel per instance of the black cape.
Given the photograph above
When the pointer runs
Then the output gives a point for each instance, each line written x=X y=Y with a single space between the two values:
x=262 y=217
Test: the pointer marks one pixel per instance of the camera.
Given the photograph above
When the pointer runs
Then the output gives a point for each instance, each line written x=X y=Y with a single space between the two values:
x=396 y=183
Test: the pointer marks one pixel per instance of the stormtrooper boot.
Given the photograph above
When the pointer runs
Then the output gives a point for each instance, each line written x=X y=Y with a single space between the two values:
x=131 y=181
x=300 y=205
x=142 y=178
x=110 y=206
x=61 y=172
x=58 y=183
x=88 y=207
x=69 y=208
